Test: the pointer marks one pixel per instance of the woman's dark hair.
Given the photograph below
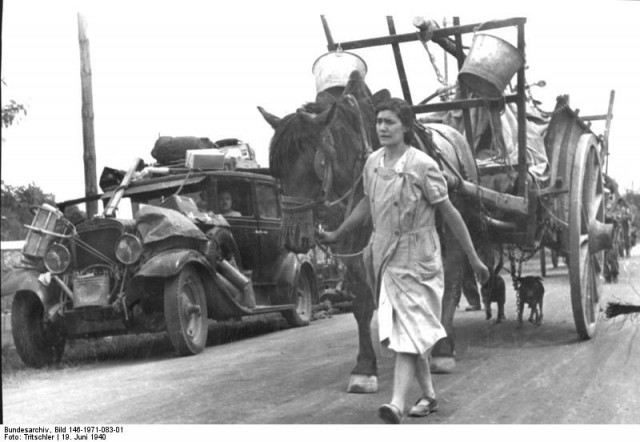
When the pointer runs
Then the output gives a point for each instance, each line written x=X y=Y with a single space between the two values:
x=404 y=112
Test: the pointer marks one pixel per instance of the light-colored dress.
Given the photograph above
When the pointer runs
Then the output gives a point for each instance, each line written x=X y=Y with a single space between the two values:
x=405 y=249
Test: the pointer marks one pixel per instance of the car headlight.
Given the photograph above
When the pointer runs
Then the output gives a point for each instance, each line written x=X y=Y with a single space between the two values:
x=57 y=258
x=128 y=249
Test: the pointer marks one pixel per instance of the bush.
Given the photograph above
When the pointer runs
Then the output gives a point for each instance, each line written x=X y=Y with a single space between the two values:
x=16 y=204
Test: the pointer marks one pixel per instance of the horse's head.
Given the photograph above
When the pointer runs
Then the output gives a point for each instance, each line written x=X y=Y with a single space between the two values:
x=316 y=153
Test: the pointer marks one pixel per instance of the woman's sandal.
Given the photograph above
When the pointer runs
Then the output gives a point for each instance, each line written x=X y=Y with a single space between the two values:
x=390 y=414
x=424 y=407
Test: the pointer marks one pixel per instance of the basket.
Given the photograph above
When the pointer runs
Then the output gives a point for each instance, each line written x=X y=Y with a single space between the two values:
x=490 y=66
x=48 y=224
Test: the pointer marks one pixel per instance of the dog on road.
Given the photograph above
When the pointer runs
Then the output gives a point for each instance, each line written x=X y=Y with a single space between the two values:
x=494 y=291
x=530 y=292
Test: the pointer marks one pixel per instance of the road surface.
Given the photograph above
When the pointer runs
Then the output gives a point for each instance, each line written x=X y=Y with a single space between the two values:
x=535 y=375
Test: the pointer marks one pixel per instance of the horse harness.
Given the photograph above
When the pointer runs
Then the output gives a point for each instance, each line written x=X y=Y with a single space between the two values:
x=324 y=167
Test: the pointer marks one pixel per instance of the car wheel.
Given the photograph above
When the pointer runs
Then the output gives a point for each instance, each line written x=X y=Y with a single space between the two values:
x=185 y=312
x=301 y=296
x=38 y=342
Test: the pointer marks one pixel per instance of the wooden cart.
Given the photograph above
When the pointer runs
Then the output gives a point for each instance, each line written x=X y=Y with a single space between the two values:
x=565 y=213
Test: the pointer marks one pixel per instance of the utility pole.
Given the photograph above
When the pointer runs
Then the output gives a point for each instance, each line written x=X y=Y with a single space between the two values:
x=88 y=137
x=446 y=61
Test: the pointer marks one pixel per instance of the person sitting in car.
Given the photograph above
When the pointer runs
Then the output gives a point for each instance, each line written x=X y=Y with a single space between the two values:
x=226 y=204
x=202 y=201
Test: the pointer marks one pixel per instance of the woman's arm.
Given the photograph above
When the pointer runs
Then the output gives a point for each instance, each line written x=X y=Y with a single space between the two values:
x=453 y=219
x=360 y=214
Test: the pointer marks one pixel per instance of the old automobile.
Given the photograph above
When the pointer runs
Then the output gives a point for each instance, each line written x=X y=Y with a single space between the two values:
x=173 y=265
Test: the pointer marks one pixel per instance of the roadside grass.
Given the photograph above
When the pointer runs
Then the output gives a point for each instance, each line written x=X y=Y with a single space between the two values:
x=83 y=352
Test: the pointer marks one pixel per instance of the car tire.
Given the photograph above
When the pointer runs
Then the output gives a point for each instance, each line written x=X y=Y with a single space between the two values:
x=37 y=341
x=185 y=312
x=301 y=294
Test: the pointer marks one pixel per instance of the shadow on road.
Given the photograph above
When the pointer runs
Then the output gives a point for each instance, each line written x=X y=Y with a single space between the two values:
x=480 y=333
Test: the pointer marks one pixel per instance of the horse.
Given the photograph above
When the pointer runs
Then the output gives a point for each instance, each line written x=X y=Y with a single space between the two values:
x=318 y=154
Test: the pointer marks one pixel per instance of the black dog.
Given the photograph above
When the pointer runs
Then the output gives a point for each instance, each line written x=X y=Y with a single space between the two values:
x=494 y=291
x=531 y=292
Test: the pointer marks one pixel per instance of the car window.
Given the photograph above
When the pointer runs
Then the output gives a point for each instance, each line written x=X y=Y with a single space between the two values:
x=267 y=201
x=234 y=198
x=199 y=198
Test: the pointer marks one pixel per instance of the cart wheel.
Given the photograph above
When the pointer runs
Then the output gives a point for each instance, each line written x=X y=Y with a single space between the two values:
x=586 y=207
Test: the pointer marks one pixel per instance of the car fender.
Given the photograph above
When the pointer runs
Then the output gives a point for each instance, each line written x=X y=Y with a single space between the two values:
x=289 y=267
x=169 y=263
x=307 y=265
x=27 y=280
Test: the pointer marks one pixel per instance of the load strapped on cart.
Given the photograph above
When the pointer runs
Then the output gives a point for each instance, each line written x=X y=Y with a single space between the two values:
x=540 y=179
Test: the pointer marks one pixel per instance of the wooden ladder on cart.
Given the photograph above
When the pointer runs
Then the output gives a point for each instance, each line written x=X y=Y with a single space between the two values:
x=518 y=204
x=511 y=203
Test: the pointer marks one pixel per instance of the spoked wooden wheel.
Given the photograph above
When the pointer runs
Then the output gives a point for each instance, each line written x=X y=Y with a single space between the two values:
x=586 y=227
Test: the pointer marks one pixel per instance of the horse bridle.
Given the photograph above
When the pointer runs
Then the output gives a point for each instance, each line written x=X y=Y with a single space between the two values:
x=300 y=204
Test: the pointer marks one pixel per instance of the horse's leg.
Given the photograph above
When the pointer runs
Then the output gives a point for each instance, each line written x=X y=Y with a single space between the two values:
x=364 y=377
x=520 y=310
x=539 y=319
x=443 y=355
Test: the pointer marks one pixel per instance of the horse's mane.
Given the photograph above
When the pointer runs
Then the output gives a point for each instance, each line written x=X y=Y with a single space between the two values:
x=289 y=140
x=295 y=136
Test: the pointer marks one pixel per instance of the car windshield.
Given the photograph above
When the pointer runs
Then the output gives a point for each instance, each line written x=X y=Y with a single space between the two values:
x=224 y=196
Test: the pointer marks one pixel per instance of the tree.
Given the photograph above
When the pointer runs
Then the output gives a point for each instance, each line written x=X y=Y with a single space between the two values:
x=17 y=202
x=11 y=112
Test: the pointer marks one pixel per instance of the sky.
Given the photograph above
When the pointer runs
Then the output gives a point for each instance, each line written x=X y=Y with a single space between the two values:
x=200 y=69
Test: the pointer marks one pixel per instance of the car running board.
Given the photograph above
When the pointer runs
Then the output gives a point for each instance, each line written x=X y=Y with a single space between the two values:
x=260 y=309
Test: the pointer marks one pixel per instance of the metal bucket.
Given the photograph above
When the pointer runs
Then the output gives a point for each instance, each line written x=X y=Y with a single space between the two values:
x=490 y=66
x=333 y=69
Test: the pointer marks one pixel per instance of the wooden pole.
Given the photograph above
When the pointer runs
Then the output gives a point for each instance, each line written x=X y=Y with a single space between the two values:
x=446 y=58
x=523 y=167
x=607 y=126
x=466 y=115
x=327 y=33
x=404 y=84
x=88 y=138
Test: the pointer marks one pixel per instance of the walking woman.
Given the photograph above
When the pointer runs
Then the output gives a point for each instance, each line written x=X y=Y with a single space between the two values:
x=403 y=188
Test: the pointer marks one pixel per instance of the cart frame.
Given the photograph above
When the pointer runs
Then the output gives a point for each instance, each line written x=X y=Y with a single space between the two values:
x=571 y=205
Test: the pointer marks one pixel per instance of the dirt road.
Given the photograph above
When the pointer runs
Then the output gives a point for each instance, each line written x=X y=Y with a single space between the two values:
x=298 y=376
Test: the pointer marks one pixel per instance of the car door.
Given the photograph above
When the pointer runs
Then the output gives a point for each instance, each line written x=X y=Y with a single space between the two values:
x=269 y=225
x=245 y=225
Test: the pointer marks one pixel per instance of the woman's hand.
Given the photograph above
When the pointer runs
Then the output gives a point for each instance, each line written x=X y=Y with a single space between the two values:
x=327 y=237
x=481 y=270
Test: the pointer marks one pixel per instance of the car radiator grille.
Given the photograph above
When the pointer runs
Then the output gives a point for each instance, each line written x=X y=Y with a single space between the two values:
x=102 y=237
